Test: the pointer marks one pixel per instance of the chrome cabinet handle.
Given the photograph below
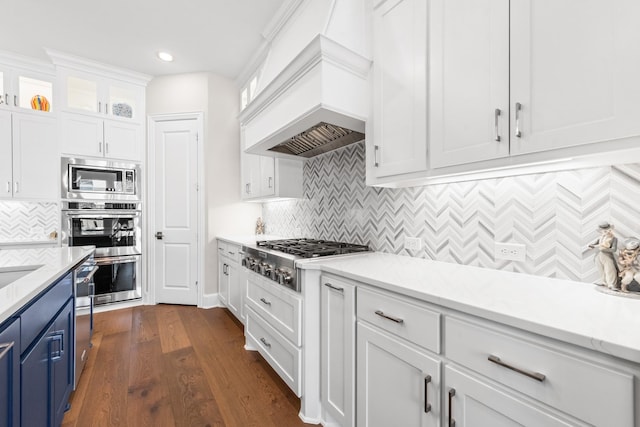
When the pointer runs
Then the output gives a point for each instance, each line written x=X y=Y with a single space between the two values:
x=496 y=114
x=427 y=405
x=159 y=235
x=518 y=109
x=335 y=288
x=386 y=316
x=267 y=344
x=106 y=148
x=99 y=147
x=16 y=187
x=99 y=107
x=231 y=253
x=535 y=375
x=376 y=148
x=225 y=269
x=8 y=186
x=57 y=338
x=6 y=98
x=15 y=100
x=452 y=422
x=270 y=182
x=6 y=348
x=249 y=188
x=106 y=108
x=265 y=302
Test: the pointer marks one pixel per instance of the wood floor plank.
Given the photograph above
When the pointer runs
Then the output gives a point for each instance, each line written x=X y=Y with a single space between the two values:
x=200 y=376
x=106 y=400
x=77 y=397
x=144 y=324
x=148 y=402
x=113 y=322
x=172 y=334
x=191 y=397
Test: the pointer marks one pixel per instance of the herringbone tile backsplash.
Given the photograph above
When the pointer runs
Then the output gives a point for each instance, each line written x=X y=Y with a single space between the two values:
x=554 y=214
x=28 y=221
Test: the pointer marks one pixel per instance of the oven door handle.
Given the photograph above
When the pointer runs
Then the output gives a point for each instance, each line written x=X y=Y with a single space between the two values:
x=91 y=274
x=117 y=260
x=96 y=215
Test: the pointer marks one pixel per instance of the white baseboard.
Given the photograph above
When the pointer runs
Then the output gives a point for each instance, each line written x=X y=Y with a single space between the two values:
x=210 y=301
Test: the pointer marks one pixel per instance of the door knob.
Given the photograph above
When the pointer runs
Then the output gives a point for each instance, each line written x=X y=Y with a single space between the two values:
x=159 y=235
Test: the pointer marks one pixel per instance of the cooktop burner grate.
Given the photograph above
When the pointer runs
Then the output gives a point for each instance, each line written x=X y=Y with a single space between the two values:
x=312 y=248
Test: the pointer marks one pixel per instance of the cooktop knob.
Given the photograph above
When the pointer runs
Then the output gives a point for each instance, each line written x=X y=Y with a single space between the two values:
x=284 y=279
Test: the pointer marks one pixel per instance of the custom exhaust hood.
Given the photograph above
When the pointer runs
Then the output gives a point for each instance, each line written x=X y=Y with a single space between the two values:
x=319 y=102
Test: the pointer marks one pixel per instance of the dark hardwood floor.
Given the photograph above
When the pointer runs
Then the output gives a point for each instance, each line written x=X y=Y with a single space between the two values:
x=169 y=365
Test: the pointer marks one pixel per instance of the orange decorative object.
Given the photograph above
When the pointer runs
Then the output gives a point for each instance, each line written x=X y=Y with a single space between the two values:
x=39 y=102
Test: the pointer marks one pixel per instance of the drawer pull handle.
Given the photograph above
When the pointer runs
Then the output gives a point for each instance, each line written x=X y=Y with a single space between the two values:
x=427 y=405
x=386 y=316
x=265 y=342
x=335 y=288
x=535 y=375
x=6 y=348
x=265 y=302
x=452 y=422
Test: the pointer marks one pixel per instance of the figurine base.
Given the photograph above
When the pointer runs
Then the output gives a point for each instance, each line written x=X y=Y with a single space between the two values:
x=617 y=292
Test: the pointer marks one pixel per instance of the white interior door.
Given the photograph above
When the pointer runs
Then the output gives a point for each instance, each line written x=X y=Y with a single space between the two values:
x=176 y=211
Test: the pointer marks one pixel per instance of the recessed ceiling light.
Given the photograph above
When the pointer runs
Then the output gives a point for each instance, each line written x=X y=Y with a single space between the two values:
x=165 y=56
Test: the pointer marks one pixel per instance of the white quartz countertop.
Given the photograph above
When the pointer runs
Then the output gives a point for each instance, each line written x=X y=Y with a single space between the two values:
x=249 y=240
x=51 y=265
x=569 y=311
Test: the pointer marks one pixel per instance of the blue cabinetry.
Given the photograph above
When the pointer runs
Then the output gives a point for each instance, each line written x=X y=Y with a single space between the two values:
x=47 y=373
x=46 y=362
x=10 y=373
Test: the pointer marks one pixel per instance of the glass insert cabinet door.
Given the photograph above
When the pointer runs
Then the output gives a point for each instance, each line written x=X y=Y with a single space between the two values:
x=21 y=90
x=102 y=96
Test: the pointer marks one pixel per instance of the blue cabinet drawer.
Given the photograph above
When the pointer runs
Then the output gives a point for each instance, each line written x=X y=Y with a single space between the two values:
x=36 y=317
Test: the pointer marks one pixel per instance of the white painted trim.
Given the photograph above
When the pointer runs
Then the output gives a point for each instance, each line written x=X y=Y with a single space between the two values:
x=27 y=63
x=270 y=31
x=319 y=49
x=150 y=199
x=87 y=65
x=210 y=301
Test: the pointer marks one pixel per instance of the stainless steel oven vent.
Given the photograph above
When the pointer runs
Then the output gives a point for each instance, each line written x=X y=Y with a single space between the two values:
x=319 y=139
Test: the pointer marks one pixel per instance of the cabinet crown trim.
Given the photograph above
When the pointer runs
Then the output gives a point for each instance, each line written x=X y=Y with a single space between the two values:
x=66 y=60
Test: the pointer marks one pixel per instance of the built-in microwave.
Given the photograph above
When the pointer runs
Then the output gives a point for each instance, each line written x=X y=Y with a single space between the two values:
x=99 y=179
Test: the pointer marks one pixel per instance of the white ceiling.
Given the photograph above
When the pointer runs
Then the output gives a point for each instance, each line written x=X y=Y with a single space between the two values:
x=203 y=35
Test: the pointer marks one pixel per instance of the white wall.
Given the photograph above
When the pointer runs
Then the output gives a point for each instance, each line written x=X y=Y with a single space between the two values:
x=217 y=97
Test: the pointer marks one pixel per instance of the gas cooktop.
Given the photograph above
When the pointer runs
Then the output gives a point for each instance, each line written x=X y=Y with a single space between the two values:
x=276 y=259
x=311 y=248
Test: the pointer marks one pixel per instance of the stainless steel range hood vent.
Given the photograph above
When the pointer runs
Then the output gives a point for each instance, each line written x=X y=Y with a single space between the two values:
x=321 y=138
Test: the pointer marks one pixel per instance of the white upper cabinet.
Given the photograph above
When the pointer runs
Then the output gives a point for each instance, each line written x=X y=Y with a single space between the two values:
x=510 y=83
x=265 y=177
x=574 y=71
x=518 y=77
x=92 y=136
x=29 y=156
x=26 y=89
x=397 y=138
x=469 y=75
x=93 y=94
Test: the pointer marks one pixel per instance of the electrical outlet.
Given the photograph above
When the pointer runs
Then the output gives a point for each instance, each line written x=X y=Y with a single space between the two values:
x=510 y=251
x=412 y=243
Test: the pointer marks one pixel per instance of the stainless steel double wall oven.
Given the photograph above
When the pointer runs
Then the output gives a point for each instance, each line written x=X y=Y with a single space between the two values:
x=102 y=207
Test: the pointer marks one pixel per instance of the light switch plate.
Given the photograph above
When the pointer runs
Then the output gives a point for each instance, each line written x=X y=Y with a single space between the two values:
x=412 y=243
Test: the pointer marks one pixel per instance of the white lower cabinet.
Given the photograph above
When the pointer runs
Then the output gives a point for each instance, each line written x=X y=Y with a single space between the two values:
x=397 y=383
x=418 y=364
x=472 y=401
x=230 y=284
x=337 y=344
x=274 y=327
